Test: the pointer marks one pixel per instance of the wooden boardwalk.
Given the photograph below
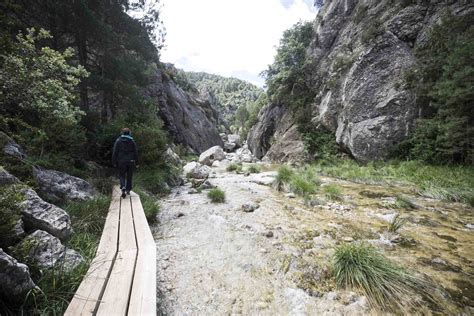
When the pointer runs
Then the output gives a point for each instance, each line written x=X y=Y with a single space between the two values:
x=122 y=277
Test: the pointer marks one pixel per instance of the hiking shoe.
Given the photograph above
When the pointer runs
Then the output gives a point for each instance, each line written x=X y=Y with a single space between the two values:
x=124 y=195
x=128 y=192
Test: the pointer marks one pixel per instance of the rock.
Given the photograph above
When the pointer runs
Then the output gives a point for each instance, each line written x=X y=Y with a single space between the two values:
x=229 y=147
x=387 y=217
x=216 y=164
x=190 y=121
x=48 y=252
x=244 y=155
x=249 y=207
x=6 y=178
x=269 y=234
x=196 y=170
x=290 y=195
x=358 y=72
x=15 y=279
x=38 y=214
x=348 y=239
x=469 y=226
x=206 y=185
x=11 y=148
x=172 y=158
x=193 y=191
x=234 y=139
x=210 y=155
x=175 y=180
x=59 y=187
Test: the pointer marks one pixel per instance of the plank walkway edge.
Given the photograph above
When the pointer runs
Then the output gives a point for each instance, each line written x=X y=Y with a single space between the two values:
x=121 y=279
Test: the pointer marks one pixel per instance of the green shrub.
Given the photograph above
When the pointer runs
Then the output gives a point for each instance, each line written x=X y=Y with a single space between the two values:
x=254 y=169
x=152 y=179
x=149 y=203
x=10 y=197
x=332 y=192
x=216 y=195
x=386 y=285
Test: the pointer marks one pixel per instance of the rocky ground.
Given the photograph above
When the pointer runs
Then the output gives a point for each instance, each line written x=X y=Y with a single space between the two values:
x=264 y=252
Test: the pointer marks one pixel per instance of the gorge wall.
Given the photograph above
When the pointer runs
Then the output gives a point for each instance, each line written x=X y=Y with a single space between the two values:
x=360 y=53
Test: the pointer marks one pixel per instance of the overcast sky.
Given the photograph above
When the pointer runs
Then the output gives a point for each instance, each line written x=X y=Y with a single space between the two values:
x=232 y=38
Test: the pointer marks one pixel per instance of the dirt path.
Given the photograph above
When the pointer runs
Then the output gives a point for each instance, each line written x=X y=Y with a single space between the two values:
x=218 y=259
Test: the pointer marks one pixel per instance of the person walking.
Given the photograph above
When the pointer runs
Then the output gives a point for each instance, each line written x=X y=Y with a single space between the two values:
x=125 y=157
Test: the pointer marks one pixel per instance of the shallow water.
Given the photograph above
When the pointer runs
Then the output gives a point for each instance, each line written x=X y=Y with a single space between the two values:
x=217 y=259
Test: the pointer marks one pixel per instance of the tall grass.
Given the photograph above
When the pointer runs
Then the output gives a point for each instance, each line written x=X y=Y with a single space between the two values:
x=303 y=182
x=451 y=183
x=254 y=169
x=149 y=203
x=386 y=285
x=234 y=167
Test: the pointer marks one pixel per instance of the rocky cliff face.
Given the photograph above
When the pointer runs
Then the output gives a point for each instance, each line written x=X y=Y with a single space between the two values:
x=360 y=53
x=189 y=120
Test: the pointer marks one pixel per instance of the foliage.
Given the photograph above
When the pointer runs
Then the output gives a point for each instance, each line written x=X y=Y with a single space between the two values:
x=451 y=183
x=285 y=78
x=302 y=182
x=320 y=143
x=152 y=179
x=332 y=192
x=216 y=195
x=150 y=204
x=396 y=224
x=444 y=85
x=386 y=285
x=10 y=198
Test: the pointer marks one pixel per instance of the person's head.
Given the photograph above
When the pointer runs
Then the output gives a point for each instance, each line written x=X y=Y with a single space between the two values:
x=126 y=131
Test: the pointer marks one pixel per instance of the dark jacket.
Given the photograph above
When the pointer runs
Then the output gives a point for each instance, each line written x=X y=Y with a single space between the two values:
x=125 y=149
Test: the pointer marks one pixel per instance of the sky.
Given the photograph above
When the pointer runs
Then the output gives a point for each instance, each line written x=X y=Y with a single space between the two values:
x=231 y=38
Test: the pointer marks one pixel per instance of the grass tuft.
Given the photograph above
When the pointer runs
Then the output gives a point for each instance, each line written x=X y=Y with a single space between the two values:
x=386 y=285
x=403 y=202
x=254 y=169
x=234 y=167
x=283 y=177
x=396 y=224
x=216 y=195
x=332 y=192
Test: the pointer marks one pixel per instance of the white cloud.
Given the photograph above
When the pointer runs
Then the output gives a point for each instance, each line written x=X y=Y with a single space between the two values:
x=228 y=37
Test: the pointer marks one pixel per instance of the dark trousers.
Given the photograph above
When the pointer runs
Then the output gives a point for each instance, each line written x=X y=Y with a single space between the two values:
x=126 y=174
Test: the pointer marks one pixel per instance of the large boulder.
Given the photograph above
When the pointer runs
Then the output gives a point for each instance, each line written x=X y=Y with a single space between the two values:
x=15 y=278
x=235 y=139
x=47 y=251
x=38 y=214
x=6 y=178
x=11 y=148
x=243 y=155
x=196 y=170
x=211 y=155
x=59 y=187
x=172 y=158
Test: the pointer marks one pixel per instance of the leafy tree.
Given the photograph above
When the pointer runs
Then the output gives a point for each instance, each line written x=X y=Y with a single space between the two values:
x=286 y=77
x=444 y=83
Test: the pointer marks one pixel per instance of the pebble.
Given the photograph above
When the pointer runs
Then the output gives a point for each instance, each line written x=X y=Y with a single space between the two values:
x=249 y=207
x=193 y=191
x=290 y=195
x=263 y=250
x=470 y=226
x=269 y=234
x=348 y=239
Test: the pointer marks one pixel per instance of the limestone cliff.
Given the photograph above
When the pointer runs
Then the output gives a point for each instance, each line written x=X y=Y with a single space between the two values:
x=189 y=120
x=360 y=52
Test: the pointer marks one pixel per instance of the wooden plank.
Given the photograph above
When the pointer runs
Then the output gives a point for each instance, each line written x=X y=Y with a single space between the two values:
x=143 y=296
x=117 y=292
x=87 y=295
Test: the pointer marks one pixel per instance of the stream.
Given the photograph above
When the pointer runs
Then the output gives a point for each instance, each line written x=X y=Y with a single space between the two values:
x=218 y=259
